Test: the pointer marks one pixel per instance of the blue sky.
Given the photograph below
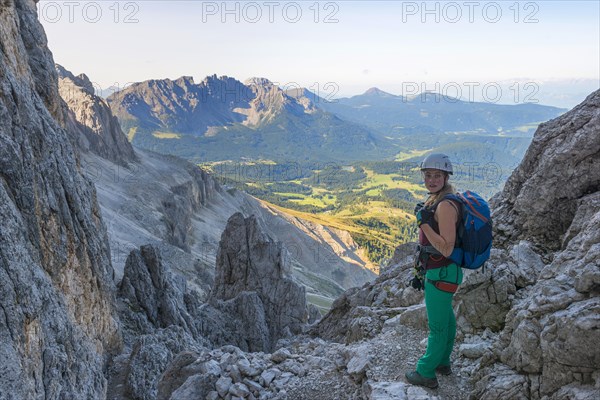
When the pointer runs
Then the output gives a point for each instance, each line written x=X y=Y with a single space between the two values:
x=394 y=45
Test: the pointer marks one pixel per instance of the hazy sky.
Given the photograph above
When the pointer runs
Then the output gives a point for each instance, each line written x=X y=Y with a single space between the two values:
x=398 y=46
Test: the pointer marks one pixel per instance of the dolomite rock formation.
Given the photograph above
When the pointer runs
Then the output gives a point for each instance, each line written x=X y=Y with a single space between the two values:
x=90 y=121
x=157 y=296
x=57 y=319
x=549 y=302
x=361 y=313
x=253 y=278
x=561 y=166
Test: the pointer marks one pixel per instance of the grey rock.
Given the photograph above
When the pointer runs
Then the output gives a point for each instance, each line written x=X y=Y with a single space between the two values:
x=223 y=384
x=211 y=367
x=573 y=391
x=57 y=294
x=177 y=372
x=527 y=264
x=253 y=386
x=247 y=369
x=293 y=367
x=239 y=389
x=150 y=357
x=195 y=387
x=250 y=261
x=313 y=314
x=385 y=390
x=212 y=395
x=561 y=166
x=235 y=374
x=484 y=298
x=356 y=314
x=269 y=375
x=280 y=355
x=240 y=321
x=570 y=339
x=357 y=367
x=154 y=296
x=547 y=341
x=415 y=317
x=90 y=119
x=418 y=393
x=502 y=383
x=522 y=354
x=473 y=350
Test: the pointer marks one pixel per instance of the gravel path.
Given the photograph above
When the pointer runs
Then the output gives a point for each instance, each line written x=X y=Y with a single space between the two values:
x=391 y=353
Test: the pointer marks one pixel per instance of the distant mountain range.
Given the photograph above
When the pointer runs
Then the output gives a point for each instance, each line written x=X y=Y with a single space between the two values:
x=434 y=112
x=222 y=118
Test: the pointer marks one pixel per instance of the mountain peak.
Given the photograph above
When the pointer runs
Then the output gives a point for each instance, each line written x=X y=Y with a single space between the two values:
x=256 y=81
x=185 y=80
x=376 y=92
x=80 y=80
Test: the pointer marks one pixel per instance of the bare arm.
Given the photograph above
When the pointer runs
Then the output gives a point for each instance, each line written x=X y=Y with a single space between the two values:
x=446 y=216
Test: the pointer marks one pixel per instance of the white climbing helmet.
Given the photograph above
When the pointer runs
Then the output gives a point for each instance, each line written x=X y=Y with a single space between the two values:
x=437 y=161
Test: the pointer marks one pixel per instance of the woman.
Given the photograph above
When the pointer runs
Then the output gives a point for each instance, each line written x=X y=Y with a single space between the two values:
x=437 y=222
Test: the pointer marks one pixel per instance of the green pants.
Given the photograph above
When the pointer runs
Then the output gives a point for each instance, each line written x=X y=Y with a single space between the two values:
x=442 y=323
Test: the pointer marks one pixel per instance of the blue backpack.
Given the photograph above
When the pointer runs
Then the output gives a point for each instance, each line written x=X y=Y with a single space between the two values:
x=474 y=234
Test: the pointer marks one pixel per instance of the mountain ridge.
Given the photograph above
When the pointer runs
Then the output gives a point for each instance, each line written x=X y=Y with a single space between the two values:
x=256 y=119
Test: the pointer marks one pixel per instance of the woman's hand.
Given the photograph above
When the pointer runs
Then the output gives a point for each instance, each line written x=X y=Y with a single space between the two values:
x=419 y=207
x=424 y=216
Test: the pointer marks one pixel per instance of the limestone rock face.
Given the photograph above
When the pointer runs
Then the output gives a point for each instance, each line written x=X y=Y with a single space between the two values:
x=240 y=321
x=361 y=313
x=195 y=109
x=157 y=294
x=550 y=315
x=149 y=358
x=250 y=261
x=561 y=165
x=57 y=290
x=90 y=119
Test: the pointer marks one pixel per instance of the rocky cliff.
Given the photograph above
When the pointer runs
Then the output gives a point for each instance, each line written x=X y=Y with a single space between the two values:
x=180 y=105
x=57 y=292
x=90 y=120
x=550 y=321
x=560 y=167
x=249 y=260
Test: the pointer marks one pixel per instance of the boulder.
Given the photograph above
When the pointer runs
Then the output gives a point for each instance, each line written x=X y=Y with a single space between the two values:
x=150 y=358
x=154 y=297
x=253 y=284
x=560 y=167
x=361 y=312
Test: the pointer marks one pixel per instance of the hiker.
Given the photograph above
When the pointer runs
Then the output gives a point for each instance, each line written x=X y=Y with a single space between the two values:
x=437 y=219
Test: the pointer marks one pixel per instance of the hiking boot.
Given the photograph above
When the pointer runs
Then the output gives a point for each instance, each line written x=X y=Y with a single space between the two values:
x=417 y=379
x=444 y=370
